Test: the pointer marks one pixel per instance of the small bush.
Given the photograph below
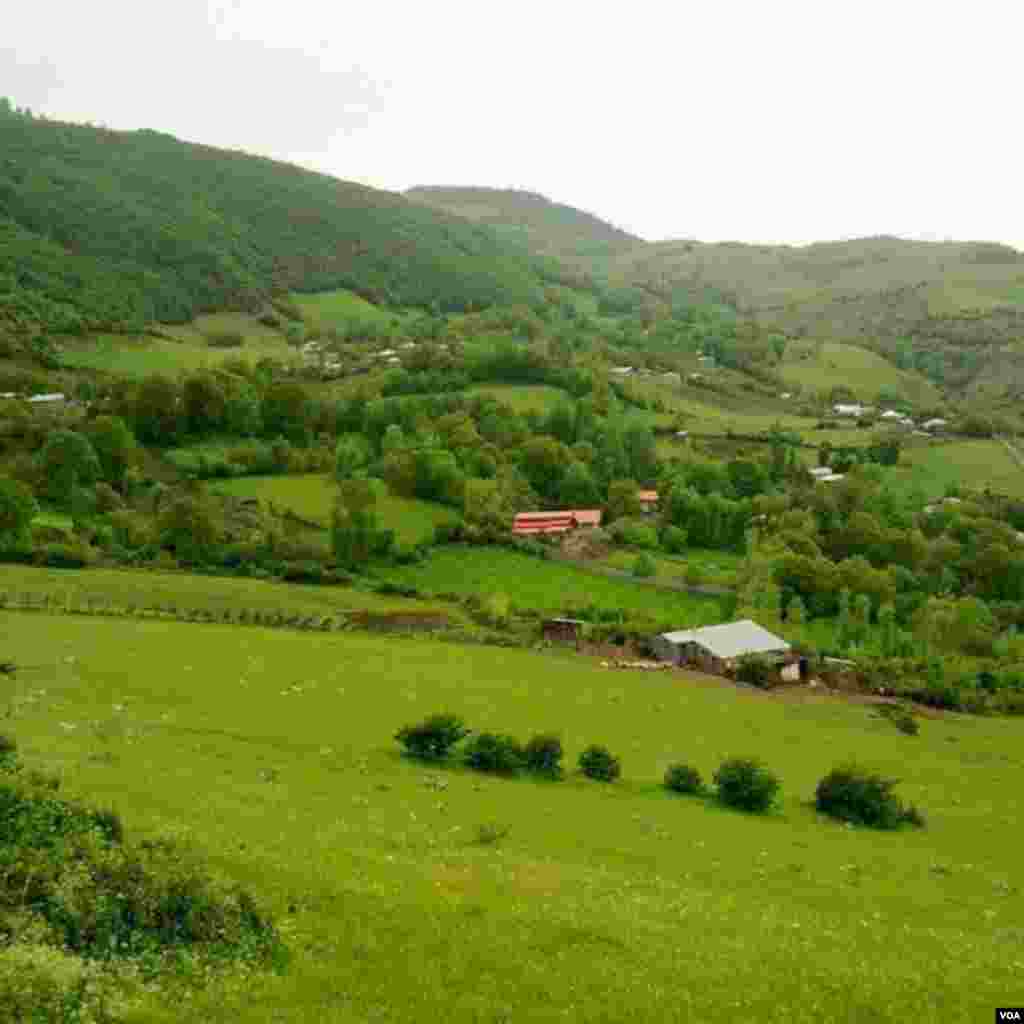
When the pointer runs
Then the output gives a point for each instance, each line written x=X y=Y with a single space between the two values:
x=758 y=670
x=434 y=738
x=597 y=762
x=542 y=755
x=493 y=752
x=850 y=793
x=225 y=339
x=644 y=567
x=489 y=833
x=746 y=784
x=683 y=778
x=900 y=717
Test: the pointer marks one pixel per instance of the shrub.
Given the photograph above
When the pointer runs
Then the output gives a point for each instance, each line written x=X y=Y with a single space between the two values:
x=489 y=833
x=644 y=566
x=900 y=717
x=542 y=755
x=225 y=339
x=850 y=793
x=597 y=762
x=673 y=540
x=493 y=752
x=683 y=778
x=758 y=670
x=433 y=738
x=746 y=784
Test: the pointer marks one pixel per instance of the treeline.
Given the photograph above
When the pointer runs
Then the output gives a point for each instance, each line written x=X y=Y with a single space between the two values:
x=103 y=230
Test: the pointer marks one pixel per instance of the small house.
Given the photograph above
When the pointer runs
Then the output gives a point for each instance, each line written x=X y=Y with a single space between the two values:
x=819 y=471
x=786 y=395
x=682 y=434
x=829 y=478
x=648 y=501
x=934 y=424
x=563 y=631
x=622 y=371
x=848 y=410
x=717 y=648
x=891 y=414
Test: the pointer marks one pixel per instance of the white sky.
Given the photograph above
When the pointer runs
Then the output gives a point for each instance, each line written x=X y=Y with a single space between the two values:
x=784 y=121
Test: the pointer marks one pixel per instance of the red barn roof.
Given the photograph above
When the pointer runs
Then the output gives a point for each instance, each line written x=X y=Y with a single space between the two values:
x=555 y=522
x=647 y=497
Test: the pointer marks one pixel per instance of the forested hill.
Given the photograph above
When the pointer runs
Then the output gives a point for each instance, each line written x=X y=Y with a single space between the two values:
x=102 y=228
x=579 y=240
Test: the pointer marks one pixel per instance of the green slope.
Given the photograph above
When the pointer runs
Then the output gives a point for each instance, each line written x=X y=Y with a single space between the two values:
x=99 y=229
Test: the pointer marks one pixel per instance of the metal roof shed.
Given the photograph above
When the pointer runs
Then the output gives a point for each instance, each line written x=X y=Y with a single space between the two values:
x=719 y=644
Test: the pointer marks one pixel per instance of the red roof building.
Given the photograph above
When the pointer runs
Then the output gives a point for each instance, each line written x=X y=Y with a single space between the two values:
x=526 y=523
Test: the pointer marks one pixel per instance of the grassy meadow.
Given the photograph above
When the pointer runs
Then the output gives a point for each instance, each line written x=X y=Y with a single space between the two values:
x=311 y=496
x=604 y=903
x=821 y=367
x=931 y=467
x=549 y=587
x=327 y=309
x=719 y=567
x=541 y=398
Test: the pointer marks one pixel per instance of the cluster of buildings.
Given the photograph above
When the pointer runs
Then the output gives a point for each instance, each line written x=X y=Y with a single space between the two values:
x=891 y=416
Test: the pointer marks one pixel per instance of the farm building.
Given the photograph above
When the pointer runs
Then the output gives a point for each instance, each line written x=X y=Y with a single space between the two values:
x=527 y=523
x=55 y=399
x=849 y=410
x=819 y=471
x=716 y=648
x=935 y=424
x=648 y=501
x=622 y=371
x=891 y=414
x=563 y=631
x=829 y=478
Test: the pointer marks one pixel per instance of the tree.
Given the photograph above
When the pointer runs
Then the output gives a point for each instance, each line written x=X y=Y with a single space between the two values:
x=355 y=536
x=623 y=499
x=286 y=410
x=115 y=447
x=482 y=503
x=351 y=454
x=203 y=404
x=188 y=528
x=578 y=488
x=543 y=461
x=796 y=612
x=155 y=412
x=68 y=463
x=17 y=510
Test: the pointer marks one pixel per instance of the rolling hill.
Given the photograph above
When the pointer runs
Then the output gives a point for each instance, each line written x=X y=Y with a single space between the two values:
x=103 y=229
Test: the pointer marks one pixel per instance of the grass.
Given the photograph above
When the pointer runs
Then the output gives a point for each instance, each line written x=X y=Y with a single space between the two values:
x=325 y=309
x=183 y=348
x=546 y=586
x=602 y=903
x=207 y=593
x=311 y=496
x=719 y=567
x=863 y=371
x=522 y=398
x=931 y=467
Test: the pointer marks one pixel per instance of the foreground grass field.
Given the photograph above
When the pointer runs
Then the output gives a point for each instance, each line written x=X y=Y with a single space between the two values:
x=273 y=752
x=311 y=496
x=546 y=586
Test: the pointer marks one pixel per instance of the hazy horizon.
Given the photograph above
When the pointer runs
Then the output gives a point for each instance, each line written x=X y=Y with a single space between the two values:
x=782 y=125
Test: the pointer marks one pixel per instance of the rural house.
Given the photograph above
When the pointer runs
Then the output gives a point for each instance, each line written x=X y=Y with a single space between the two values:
x=648 y=501
x=717 y=648
x=849 y=410
x=563 y=631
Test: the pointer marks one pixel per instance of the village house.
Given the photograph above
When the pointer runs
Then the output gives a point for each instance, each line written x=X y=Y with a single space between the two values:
x=622 y=371
x=563 y=631
x=934 y=424
x=648 y=501
x=891 y=414
x=819 y=471
x=849 y=410
x=829 y=478
x=716 y=649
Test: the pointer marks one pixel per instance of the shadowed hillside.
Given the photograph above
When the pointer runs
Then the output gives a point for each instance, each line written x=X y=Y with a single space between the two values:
x=580 y=240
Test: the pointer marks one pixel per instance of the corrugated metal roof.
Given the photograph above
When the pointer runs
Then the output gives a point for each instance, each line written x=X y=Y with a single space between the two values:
x=730 y=639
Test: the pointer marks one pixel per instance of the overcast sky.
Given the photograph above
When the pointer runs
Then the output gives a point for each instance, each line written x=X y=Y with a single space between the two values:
x=788 y=121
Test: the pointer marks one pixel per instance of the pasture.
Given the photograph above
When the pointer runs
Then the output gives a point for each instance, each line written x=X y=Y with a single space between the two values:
x=540 y=398
x=329 y=309
x=719 y=567
x=273 y=752
x=548 y=587
x=932 y=467
x=819 y=367
x=311 y=497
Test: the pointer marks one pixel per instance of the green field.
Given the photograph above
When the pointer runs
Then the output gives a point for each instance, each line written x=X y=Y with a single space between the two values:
x=311 y=496
x=182 y=347
x=325 y=309
x=718 y=567
x=522 y=397
x=545 y=586
x=863 y=371
x=972 y=464
x=604 y=904
x=143 y=588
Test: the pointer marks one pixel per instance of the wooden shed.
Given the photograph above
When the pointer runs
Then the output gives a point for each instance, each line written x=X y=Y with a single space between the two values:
x=563 y=631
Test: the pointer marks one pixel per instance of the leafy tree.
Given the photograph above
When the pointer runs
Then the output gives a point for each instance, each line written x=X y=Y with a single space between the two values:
x=623 y=499
x=17 y=510
x=578 y=489
x=68 y=463
x=355 y=535
x=433 y=738
x=351 y=454
x=187 y=527
x=115 y=447
x=483 y=503
x=155 y=412
x=796 y=612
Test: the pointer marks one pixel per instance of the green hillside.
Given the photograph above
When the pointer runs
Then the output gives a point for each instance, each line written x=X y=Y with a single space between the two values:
x=946 y=308
x=101 y=229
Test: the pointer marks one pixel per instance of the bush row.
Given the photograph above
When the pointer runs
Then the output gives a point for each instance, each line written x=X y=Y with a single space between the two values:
x=848 y=793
